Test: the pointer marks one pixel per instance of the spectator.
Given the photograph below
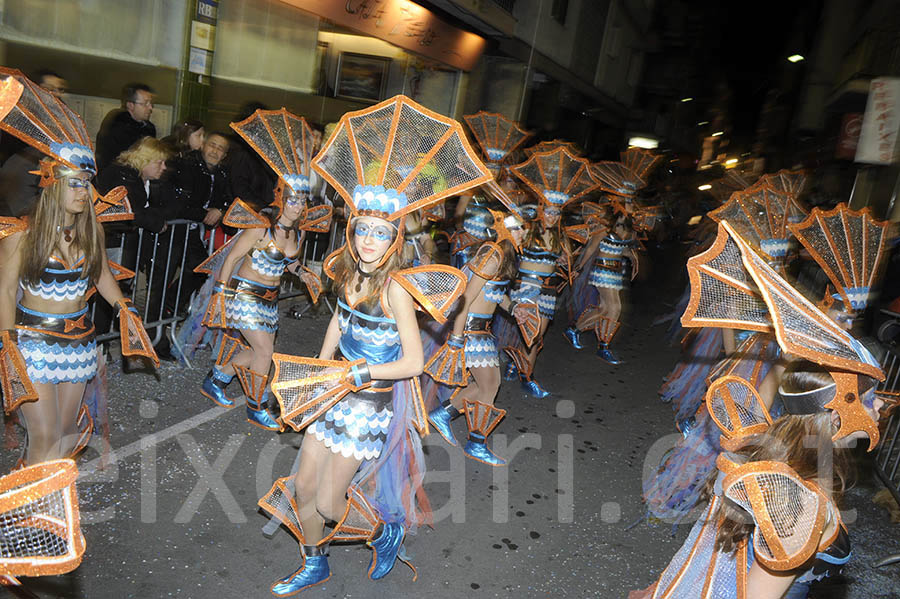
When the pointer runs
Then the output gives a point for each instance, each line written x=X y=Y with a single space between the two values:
x=187 y=136
x=122 y=128
x=140 y=169
x=252 y=180
x=18 y=187
x=203 y=193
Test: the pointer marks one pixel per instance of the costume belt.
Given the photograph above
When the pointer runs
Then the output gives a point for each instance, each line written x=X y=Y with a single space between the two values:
x=73 y=325
x=477 y=323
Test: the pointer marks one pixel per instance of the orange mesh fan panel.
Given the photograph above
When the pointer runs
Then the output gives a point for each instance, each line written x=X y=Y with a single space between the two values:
x=723 y=294
x=112 y=207
x=317 y=219
x=358 y=522
x=435 y=287
x=557 y=177
x=119 y=272
x=10 y=92
x=482 y=418
x=313 y=283
x=215 y=312
x=640 y=162
x=853 y=414
x=135 y=341
x=448 y=366
x=281 y=503
x=285 y=141
x=746 y=361
x=737 y=409
x=43 y=121
x=849 y=246
x=10 y=225
x=398 y=148
x=616 y=178
x=228 y=347
x=489 y=255
x=420 y=414
x=216 y=259
x=760 y=215
x=791 y=183
x=17 y=387
x=497 y=136
x=605 y=329
x=519 y=358
x=549 y=146
x=788 y=511
x=800 y=327
x=306 y=387
x=242 y=216
x=498 y=193
x=528 y=317
x=39 y=520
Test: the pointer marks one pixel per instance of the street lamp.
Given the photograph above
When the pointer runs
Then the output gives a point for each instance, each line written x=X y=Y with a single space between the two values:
x=705 y=187
x=687 y=99
x=795 y=58
x=718 y=133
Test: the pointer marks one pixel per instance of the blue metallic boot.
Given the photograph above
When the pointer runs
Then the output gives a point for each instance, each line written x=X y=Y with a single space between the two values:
x=314 y=571
x=256 y=389
x=214 y=387
x=607 y=355
x=482 y=419
x=385 y=546
x=534 y=389
x=573 y=336
x=440 y=419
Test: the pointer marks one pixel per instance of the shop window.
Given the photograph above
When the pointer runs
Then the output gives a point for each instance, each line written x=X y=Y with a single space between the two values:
x=558 y=11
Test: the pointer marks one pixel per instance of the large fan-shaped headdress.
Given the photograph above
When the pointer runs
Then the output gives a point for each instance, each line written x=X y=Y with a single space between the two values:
x=791 y=183
x=549 y=146
x=732 y=286
x=10 y=92
x=285 y=141
x=760 y=215
x=733 y=180
x=497 y=135
x=640 y=162
x=397 y=157
x=849 y=246
x=43 y=121
x=557 y=177
x=617 y=179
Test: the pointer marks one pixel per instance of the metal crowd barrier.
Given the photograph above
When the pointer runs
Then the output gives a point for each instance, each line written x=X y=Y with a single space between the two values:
x=158 y=260
x=887 y=456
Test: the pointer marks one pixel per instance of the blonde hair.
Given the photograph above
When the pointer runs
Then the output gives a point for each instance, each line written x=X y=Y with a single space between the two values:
x=143 y=152
x=42 y=237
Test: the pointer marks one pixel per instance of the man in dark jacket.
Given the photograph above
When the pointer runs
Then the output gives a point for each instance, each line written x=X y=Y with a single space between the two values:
x=203 y=193
x=251 y=178
x=122 y=127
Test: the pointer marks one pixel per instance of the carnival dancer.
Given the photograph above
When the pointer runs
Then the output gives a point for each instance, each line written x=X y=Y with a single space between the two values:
x=247 y=271
x=57 y=257
x=471 y=349
x=769 y=474
x=557 y=178
x=360 y=463
x=608 y=272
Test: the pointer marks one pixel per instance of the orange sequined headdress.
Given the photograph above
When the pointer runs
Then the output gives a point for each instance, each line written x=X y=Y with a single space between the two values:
x=43 y=121
x=732 y=286
x=557 y=177
x=497 y=136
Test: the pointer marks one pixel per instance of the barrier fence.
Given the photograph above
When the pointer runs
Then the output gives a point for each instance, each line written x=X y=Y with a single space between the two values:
x=164 y=280
x=887 y=456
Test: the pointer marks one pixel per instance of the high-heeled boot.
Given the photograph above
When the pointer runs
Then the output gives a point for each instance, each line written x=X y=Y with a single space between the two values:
x=256 y=389
x=441 y=417
x=481 y=420
x=385 y=543
x=314 y=570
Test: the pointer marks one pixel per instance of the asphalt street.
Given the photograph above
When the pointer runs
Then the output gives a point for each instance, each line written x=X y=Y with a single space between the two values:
x=173 y=512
